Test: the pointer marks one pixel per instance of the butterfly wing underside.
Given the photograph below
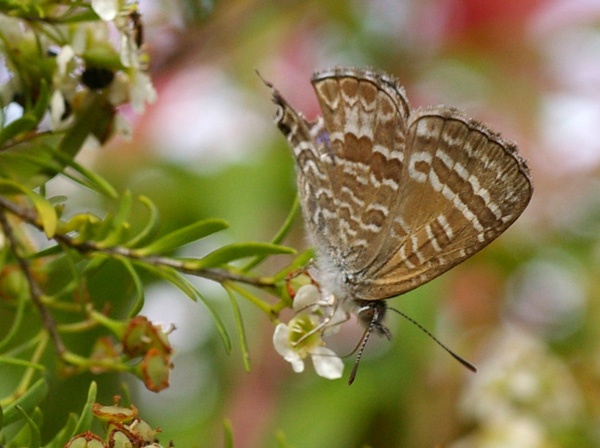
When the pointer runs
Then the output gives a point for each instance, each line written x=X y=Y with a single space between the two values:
x=463 y=186
x=394 y=197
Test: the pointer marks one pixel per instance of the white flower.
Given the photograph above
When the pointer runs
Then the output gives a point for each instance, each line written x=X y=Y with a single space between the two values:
x=521 y=374
x=308 y=300
x=286 y=338
x=106 y=9
x=57 y=109
x=298 y=339
x=141 y=92
x=64 y=56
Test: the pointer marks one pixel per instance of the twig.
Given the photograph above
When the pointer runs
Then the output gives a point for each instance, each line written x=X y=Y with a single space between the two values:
x=34 y=288
x=216 y=274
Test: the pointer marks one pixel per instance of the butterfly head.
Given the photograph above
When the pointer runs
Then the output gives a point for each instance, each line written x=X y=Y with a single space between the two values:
x=371 y=314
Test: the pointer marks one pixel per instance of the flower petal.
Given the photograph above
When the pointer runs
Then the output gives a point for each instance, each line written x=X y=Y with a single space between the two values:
x=327 y=363
x=283 y=346
x=281 y=339
x=297 y=364
x=306 y=296
x=65 y=54
x=106 y=9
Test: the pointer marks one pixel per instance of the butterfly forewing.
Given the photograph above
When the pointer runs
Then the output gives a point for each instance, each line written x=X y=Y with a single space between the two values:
x=365 y=117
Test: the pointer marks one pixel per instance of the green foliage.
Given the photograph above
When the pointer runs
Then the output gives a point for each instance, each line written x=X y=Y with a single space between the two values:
x=54 y=295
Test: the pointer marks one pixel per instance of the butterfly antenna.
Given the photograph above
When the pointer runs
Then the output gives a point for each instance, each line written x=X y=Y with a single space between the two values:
x=464 y=362
x=361 y=348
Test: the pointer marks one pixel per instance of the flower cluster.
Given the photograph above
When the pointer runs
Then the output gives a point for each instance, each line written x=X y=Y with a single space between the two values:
x=521 y=395
x=65 y=62
x=123 y=428
x=140 y=339
x=303 y=335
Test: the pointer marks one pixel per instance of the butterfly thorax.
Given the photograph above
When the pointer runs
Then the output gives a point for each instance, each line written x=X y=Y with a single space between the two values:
x=336 y=285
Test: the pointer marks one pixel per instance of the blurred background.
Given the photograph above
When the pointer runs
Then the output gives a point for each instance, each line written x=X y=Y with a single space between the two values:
x=523 y=310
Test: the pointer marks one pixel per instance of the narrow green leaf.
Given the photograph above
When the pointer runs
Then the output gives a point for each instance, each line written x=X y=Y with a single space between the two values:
x=12 y=361
x=47 y=252
x=279 y=237
x=150 y=228
x=236 y=251
x=31 y=432
x=95 y=262
x=299 y=262
x=88 y=178
x=173 y=277
x=117 y=225
x=75 y=16
x=281 y=442
x=239 y=323
x=85 y=419
x=16 y=322
x=138 y=286
x=24 y=124
x=29 y=164
x=124 y=210
x=46 y=211
x=228 y=434
x=63 y=436
x=182 y=236
x=28 y=401
x=218 y=322
x=43 y=101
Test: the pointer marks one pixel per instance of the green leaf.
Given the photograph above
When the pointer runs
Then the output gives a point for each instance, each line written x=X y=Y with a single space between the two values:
x=75 y=16
x=299 y=263
x=138 y=285
x=11 y=360
x=47 y=252
x=65 y=434
x=150 y=228
x=218 y=322
x=173 y=277
x=236 y=251
x=47 y=213
x=27 y=402
x=85 y=419
x=239 y=322
x=24 y=124
x=88 y=178
x=86 y=225
x=95 y=262
x=31 y=432
x=182 y=236
x=28 y=164
x=281 y=442
x=23 y=301
x=41 y=106
x=116 y=227
x=279 y=237
x=228 y=434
